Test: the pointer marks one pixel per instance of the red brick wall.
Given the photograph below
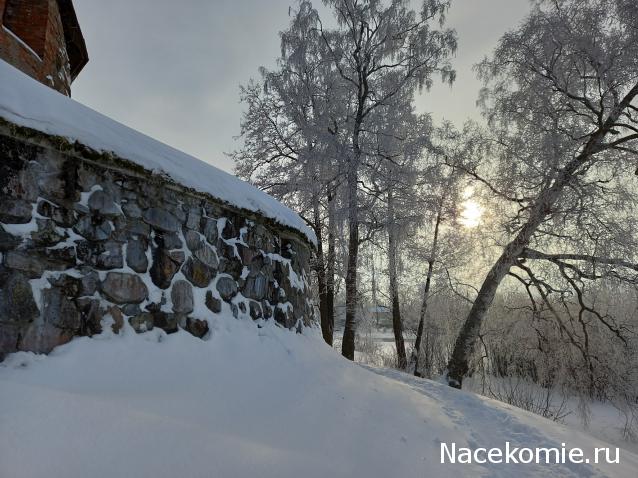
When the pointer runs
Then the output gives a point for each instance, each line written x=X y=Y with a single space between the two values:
x=37 y=23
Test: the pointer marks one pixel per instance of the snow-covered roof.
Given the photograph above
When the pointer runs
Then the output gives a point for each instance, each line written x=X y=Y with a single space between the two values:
x=25 y=102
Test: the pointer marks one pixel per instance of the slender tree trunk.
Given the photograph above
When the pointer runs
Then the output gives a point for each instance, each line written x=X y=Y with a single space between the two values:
x=349 y=331
x=320 y=269
x=426 y=292
x=352 y=181
x=416 y=351
x=330 y=274
x=397 y=324
x=374 y=294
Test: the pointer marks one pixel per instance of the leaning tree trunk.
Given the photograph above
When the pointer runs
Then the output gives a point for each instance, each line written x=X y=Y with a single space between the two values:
x=458 y=365
x=426 y=293
x=397 y=324
x=466 y=340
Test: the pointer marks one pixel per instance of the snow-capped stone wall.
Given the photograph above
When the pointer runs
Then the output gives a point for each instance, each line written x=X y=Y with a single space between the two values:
x=89 y=239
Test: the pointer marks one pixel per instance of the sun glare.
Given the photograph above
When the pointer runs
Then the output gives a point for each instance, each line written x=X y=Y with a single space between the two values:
x=471 y=214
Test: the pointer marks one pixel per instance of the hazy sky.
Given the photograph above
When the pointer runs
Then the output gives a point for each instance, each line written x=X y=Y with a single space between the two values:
x=171 y=69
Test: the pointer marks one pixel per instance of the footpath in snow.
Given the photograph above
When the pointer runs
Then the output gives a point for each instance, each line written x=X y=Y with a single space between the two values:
x=251 y=402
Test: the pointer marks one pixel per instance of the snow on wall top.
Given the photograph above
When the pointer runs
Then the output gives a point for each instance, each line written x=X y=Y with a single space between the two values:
x=25 y=102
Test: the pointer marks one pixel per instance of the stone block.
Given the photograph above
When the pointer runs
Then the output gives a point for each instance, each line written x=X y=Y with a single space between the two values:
x=136 y=255
x=227 y=288
x=17 y=303
x=182 y=297
x=161 y=220
x=15 y=211
x=124 y=288
x=198 y=273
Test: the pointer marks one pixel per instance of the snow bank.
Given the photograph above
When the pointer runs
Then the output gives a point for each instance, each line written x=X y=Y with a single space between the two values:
x=26 y=102
x=248 y=402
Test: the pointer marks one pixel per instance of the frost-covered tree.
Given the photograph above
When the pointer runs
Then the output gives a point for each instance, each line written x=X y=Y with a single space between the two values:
x=380 y=51
x=561 y=150
x=292 y=141
x=312 y=123
x=392 y=174
x=442 y=184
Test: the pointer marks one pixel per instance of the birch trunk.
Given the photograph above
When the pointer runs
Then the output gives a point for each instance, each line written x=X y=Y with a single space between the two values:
x=349 y=331
x=330 y=275
x=352 y=180
x=320 y=270
x=466 y=340
x=426 y=292
x=397 y=324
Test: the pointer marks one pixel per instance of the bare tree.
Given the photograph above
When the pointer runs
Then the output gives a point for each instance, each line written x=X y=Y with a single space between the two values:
x=380 y=51
x=561 y=101
x=426 y=289
x=309 y=123
x=400 y=143
x=292 y=142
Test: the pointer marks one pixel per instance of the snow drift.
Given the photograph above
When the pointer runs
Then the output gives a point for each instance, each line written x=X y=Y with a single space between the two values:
x=248 y=402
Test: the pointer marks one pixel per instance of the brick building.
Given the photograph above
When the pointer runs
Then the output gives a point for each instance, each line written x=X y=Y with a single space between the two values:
x=43 y=39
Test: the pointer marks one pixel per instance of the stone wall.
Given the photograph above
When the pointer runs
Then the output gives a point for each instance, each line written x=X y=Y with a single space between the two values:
x=89 y=240
x=32 y=39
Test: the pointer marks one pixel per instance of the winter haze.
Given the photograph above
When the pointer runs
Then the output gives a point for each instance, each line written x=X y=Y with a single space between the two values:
x=372 y=280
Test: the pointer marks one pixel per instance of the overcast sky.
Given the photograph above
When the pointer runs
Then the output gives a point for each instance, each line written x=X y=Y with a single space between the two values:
x=171 y=69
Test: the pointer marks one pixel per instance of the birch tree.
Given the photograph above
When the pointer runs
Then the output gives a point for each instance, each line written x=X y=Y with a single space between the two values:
x=310 y=129
x=401 y=139
x=292 y=141
x=561 y=104
x=442 y=239
x=379 y=51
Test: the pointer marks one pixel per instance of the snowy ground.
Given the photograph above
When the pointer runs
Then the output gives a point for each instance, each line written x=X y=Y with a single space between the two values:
x=603 y=420
x=250 y=402
x=605 y=423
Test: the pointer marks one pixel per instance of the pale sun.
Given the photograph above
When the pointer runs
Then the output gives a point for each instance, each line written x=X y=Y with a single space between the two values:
x=471 y=214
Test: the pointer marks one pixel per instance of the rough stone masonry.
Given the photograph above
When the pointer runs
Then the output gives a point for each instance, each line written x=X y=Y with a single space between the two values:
x=89 y=240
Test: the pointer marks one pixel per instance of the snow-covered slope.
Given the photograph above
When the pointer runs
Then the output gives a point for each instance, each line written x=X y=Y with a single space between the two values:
x=249 y=402
x=26 y=102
